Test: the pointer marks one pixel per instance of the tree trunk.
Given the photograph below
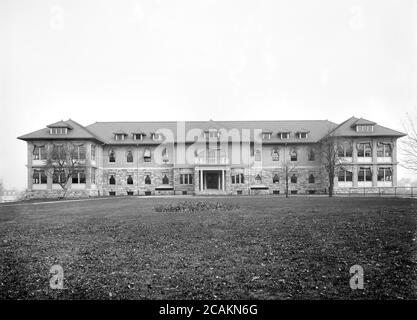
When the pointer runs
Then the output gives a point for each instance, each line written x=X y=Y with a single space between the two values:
x=331 y=184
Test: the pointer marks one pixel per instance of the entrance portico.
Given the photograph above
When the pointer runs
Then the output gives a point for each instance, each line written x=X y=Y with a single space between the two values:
x=212 y=180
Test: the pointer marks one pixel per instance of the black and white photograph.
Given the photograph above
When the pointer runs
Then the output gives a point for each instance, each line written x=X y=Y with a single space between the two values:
x=207 y=156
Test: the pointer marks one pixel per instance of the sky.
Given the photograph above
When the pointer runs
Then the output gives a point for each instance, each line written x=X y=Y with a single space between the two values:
x=198 y=60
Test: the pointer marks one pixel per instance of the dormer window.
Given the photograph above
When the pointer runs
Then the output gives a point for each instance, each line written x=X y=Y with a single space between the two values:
x=156 y=136
x=212 y=134
x=266 y=135
x=138 y=136
x=58 y=130
x=302 y=135
x=284 y=135
x=365 y=128
x=119 y=136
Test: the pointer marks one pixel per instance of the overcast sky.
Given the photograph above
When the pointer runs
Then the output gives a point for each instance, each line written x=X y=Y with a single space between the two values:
x=198 y=60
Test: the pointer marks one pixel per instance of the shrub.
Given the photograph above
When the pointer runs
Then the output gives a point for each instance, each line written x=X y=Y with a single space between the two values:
x=196 y=206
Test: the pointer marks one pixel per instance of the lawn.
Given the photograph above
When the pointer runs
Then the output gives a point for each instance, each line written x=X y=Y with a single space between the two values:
x=267 y=248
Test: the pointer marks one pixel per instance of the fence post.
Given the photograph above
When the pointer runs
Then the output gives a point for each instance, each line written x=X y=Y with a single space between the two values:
x=379 y=191
x=395 y=192
x=412 y=188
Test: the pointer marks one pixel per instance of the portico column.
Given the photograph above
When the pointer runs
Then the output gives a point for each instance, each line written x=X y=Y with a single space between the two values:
x=223 y=184
x=201 y=180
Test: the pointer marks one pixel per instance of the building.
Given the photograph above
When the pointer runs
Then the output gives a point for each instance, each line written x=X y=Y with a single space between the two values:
x=212 y=157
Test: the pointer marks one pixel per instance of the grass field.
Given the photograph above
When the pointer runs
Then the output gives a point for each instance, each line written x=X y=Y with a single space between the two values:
x=269 y=248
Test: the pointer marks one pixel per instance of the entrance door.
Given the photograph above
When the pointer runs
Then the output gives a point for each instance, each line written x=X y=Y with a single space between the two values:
x=212 y=180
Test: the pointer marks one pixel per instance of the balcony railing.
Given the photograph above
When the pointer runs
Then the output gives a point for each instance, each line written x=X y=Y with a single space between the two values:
x=211 y=160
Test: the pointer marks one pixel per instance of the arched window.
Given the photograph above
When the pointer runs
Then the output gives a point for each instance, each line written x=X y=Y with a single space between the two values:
x=258 y=155
x=293 y=178
x=129 y=156
x=112 y=156
x=165 y=180
x=293 y=155
x=129 y=179
x=311 y=179
x=148 y=179
x=258 y=179
x=112 y=179
x=275 y=179
x=311 y=155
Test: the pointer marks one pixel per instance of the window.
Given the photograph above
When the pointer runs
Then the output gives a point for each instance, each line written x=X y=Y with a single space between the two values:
x=156 y=136
x=147 y=155
x=129 y=179
x=93 y=152
x=364 y=174
x=345 y=150
x=112 y=179
x=258 y=155
x=345 y=175
x=212 y=134
x=81 y=152
x=258 y=179
x=311 y=155
x=39 y=153
x=58 y=130
x=266 y=135
x=293 y=178
x=129 y=156
x=78 y=177
x=59 y=177
x=186 y=178
x=165 y=155
x=119 y=136
x=148 y=178
x=364 y=128
x=302 y=135
x=384 y=150
x=112 y=156
x=311 y=179
x=39 y=177
x=293 y=155
x=138 y=136
x=384 y=174
x=364 y=149
x=275 y=154
x=238 y=178
x=165 y=179
x=58 y=152
x=284 y=135
x=275 y=179
x=93 y=175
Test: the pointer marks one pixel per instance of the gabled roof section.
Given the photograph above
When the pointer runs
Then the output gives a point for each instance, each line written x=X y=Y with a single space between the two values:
x=316 y=128
x=77 y=132
x=347 y=129
x=60 y=124
x=363 y=121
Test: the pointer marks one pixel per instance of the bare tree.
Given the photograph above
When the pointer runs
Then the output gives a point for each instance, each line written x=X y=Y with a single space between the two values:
x=330 y=150
x=62 y=162
x=288 y=168
x=409 y=144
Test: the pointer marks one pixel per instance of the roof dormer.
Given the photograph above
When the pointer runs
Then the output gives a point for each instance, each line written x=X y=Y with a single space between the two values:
x=284 y=134
x=139 y=135
x=59 y=128
x=266 y=134
x=120 y=135
x=363 y=125
x=302 y=134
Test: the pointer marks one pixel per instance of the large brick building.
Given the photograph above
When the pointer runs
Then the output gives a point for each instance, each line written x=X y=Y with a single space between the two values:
x=213 y=157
